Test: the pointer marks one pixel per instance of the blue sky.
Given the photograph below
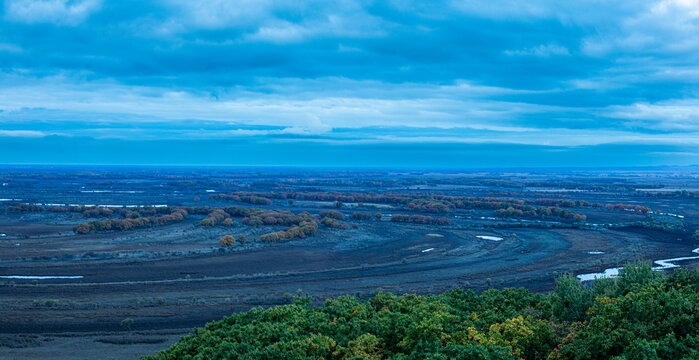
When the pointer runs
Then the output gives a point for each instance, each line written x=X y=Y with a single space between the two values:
x=350 y=83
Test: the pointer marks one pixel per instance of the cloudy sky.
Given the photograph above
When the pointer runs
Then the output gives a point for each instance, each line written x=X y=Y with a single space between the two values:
x=350 y=83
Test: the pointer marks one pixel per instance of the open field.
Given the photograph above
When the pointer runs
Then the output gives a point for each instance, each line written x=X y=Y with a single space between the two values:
x=174 y=276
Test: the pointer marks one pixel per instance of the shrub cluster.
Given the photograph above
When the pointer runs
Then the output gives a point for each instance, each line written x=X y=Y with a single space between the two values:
x=562 y=203
x=227 y=240
x=22 y=208
x=420 y=219
x=216 y=217
x=362 y=216
x=274 y=217
x=242 y=197
x=643 y=209
x=97 y=211
x=177 y=215
x=305 y=228
x=530 y=211
x=333 y=214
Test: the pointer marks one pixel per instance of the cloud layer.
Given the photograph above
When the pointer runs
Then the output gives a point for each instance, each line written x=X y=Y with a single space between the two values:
x=349 y=74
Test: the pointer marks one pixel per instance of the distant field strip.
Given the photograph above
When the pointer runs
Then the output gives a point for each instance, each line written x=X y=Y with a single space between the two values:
x=37 y=277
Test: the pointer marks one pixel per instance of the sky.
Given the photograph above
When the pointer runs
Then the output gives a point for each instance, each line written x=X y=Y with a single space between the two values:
x=452 y=84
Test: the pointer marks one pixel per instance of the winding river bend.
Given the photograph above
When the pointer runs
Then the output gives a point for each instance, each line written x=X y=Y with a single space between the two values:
x=663 y=264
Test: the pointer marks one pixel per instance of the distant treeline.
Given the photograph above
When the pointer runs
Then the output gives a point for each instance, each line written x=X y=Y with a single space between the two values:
x=530 y=212
x=92 y=211
x=243 y=197
x=420 y=219
x=610 y=184
x=176 y=215
x=140 y=217
x=643 y=209
x=434 y=203
x=680 y=193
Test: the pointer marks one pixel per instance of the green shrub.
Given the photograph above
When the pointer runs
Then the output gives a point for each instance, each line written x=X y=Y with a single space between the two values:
x=658 y=318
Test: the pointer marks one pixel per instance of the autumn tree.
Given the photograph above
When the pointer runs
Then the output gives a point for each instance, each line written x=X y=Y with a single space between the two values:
x=333 y=214
x=330 y=222
x=227 y=240
x=82 y=228
x=361 y=216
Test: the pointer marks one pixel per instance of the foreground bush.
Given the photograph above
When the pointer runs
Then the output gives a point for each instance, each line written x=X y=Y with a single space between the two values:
x=642 y=315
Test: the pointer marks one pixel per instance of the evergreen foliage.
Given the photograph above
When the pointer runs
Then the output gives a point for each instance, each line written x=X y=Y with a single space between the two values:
x=641 y=315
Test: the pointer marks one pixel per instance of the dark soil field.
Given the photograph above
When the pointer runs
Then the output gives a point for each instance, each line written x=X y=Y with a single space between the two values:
x=171 y=278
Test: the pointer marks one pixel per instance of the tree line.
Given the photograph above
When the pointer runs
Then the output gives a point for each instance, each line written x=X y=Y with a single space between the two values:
x=307 y=226
x=420 y=219
x=176 y=215
x=433 y=203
